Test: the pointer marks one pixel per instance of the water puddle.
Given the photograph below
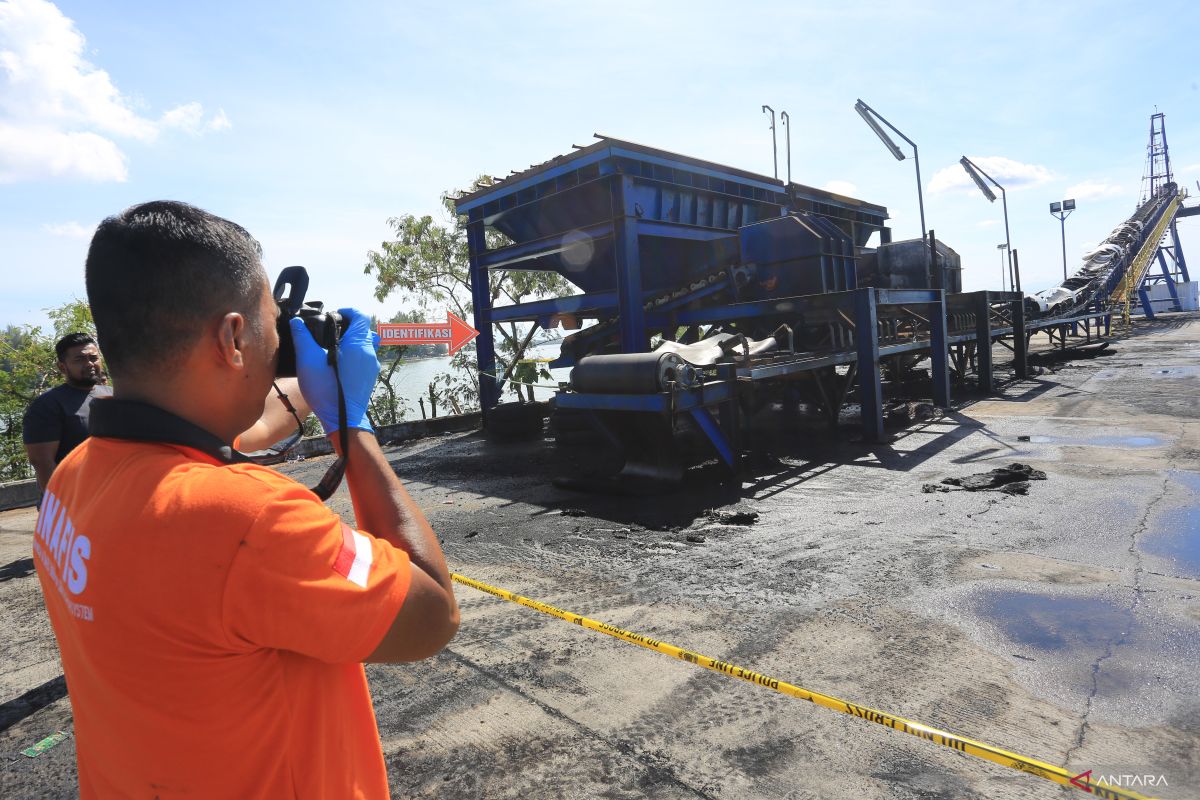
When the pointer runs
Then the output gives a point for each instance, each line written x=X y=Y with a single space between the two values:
x=1175 y=534
x=1175 y=372
x=1052 y=623
x=1148 y=372
x=1143 y=440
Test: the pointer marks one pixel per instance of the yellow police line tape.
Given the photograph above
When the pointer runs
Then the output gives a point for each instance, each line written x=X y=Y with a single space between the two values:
x=954 y=742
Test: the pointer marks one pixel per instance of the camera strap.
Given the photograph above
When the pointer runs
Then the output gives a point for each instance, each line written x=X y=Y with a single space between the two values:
x=337 y=470
x=132 y=420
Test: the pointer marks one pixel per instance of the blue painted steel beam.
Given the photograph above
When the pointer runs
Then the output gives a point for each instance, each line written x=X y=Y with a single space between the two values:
x=627 y=261
x=537 y=248
x=481 y=304
x=907 y=297
x=983 y=343
x=712 y=430
x=757 y=308
x=607 y=150
x=1170 y=281
x=596 y=301
x=1020 y=341
x=845 y=300
x=939 y=356
x=1145 y=300
x=514 y=186
x=723 y=173
x=1180 y=261
x=680 y=230
x=866 y=340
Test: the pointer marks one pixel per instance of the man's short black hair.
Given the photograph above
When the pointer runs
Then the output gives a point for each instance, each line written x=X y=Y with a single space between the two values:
x=71 y=340
x=158 y=272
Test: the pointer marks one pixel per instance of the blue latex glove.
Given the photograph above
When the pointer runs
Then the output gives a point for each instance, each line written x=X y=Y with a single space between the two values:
x=358 y=368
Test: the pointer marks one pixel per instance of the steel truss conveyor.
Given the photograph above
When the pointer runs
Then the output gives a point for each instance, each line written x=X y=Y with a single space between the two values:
x=1114 y=273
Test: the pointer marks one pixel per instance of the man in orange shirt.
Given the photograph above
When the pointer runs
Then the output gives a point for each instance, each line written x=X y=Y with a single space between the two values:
x=212 y=614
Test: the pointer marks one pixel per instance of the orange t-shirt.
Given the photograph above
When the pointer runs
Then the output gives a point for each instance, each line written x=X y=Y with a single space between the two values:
x=212 y=621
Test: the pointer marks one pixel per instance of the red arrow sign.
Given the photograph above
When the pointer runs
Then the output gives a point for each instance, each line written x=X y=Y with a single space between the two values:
x=455 y=333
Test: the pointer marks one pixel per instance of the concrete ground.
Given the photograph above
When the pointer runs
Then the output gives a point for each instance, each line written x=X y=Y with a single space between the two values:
x=1063 y=624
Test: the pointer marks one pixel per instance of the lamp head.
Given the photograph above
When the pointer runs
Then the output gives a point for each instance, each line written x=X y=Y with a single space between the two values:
x=975 y=176
x=866 y=112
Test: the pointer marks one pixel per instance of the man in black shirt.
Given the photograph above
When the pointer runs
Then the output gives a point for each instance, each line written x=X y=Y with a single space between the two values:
x=57 y=421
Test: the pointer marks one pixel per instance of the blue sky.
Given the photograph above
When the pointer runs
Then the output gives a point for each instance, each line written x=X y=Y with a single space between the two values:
x=312 y=123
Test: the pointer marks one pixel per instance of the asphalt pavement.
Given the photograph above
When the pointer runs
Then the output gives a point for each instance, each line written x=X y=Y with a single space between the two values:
x=1062 y=623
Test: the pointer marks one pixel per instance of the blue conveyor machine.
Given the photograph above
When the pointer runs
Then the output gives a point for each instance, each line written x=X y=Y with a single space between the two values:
x=704 y=290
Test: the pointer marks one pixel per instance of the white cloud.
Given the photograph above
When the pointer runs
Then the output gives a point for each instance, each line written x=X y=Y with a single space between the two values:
x=33 y=151
x=841 y=187
x=69 y=230
x=987 y=223
x=189 y=118
x=1191 y=168
x=1010 y=174
x=219 y=121
x=57 y=110
x=1089 y=189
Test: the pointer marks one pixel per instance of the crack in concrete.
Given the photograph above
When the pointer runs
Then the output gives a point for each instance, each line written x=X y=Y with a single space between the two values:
x=658 y=772
x=1110 y=648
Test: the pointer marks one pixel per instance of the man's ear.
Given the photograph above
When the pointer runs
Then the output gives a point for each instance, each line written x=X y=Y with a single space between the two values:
x=62 y=368
x=231 y=339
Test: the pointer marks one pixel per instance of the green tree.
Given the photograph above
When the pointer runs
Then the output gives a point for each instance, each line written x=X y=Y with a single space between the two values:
x=428 y=262
x=28 y=367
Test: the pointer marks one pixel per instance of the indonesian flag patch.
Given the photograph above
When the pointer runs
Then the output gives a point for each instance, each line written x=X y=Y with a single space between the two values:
x=354 y=561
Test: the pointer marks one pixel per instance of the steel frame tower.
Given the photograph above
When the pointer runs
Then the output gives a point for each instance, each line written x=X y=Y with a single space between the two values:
x=1158 y=160
x=1156 y=181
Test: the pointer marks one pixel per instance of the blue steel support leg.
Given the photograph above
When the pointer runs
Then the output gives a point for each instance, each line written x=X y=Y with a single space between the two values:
x=481 y=303
x=627 y=261
x=713 y=431
x=1020 y=341
x=939 y=355
x=1166 y=271
x=866 y=340
x=1145 y=298
x=1180 y=261
x=983 y=343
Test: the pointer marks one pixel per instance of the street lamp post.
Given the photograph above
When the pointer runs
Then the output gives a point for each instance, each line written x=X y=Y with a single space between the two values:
x=870 y=116
x=1062 y=211
x=774 y=147
x=1002 y=247
x=978 y=175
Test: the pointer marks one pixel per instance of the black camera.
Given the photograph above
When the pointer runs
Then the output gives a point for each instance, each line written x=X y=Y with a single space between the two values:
x=327 y=327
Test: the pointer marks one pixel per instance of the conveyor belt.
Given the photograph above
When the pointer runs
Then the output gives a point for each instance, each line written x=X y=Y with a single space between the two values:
x=1141 y=263
x=1115 y=268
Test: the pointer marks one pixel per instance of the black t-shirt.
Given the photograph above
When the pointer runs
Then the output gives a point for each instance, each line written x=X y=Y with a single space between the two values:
x=61 y=415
